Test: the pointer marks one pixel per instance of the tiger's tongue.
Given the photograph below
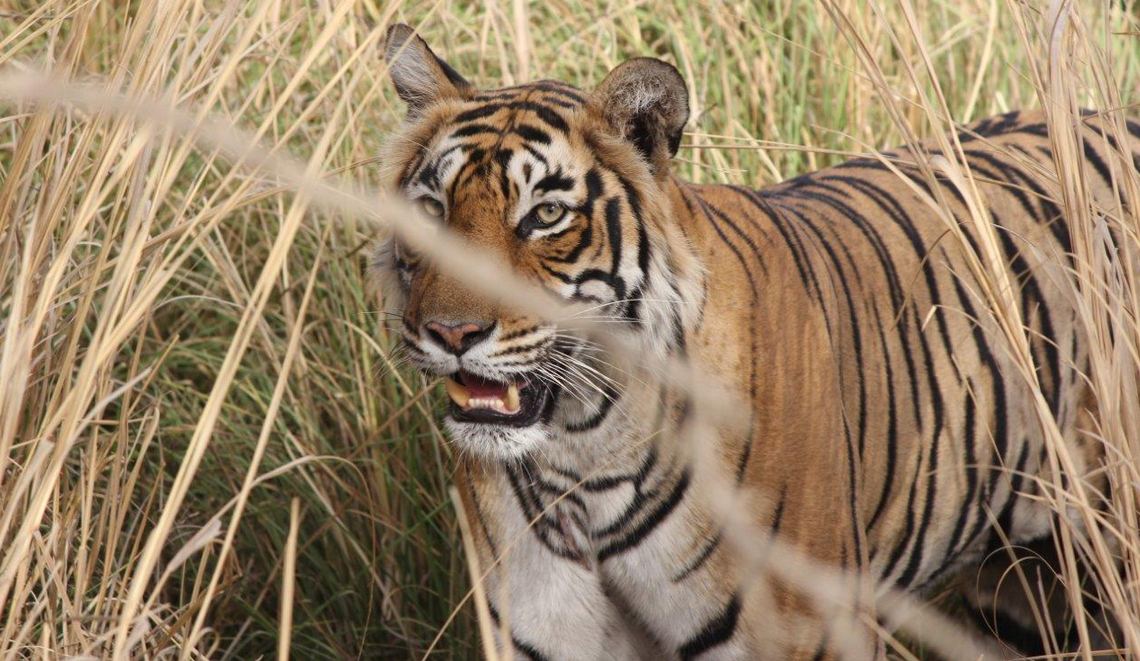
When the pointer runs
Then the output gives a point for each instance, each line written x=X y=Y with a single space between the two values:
x=479 y=387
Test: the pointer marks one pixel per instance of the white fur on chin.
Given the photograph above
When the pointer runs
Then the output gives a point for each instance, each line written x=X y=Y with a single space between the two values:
x=496 y=442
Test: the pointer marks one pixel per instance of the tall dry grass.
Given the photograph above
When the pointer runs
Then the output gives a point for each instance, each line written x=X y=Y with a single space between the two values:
x=207 y=449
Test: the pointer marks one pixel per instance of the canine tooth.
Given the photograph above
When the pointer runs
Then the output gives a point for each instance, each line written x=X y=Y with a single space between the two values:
x=512 y=398
x=458 y=393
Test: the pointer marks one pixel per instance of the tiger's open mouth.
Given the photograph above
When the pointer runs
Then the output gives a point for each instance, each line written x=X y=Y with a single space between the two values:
x=477 y=399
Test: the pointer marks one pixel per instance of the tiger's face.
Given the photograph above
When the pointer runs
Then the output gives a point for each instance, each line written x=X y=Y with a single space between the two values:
x=566 y=188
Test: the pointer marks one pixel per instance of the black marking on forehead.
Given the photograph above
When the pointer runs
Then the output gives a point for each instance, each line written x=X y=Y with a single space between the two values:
x=570 y=96
x=475 y=129
x=474 y=167
x=503 y=158
x=561 y=89
x=429 y=175
x=537 y=156
x=533 y=112
x=555 y=181
x=478 y=112
x=533 y=134
x=427 y=166
x=525 y=131
x=544 y=112
x=412 y=166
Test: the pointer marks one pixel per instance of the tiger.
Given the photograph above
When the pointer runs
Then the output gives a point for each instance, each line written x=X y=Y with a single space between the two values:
x=885 y=425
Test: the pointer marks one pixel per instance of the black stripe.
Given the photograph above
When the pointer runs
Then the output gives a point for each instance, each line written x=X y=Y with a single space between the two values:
x=778 y=514
x=609 y=396
x=895 y=211
x=533 y=507
x=865 y=227
x=544 y=112
x=858 y=348
x=788 y=233
x=649 y=524
x=700 y=560
x=746 y=453
x=503 y=158
x=557 y=274
x=475 y=129
x=525 y=648
x=613 y=232
x=559 y=88
x=969 y=501
x=1052 y=215
x=1097 y=162
x=723 y=217
x=1033 y=300
x=892 y=429
x=584 y=240
x=555 y=181
x=715 y=632
x=481 y=518
x=532 y=133
x=535 y=154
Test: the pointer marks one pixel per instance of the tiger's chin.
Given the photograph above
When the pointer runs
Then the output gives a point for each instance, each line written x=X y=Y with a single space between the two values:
x=497 y=442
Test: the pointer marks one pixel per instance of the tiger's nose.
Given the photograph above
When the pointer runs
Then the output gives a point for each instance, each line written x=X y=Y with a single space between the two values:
x=458 y=337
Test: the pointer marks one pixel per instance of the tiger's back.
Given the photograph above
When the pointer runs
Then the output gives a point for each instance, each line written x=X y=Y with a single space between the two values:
x=937 y=421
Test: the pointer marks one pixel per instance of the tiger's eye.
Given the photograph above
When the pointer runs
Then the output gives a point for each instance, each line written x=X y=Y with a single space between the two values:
x=431 y=207
x=549 y=213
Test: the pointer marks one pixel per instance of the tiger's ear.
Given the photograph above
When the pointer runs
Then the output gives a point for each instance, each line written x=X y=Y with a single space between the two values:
x=645 y=100
x=420 y=77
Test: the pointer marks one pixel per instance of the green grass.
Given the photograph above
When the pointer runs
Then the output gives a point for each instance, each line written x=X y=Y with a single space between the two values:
x=777 y=90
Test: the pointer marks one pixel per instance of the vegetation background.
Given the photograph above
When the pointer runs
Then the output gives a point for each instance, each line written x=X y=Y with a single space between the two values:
x=193 y=371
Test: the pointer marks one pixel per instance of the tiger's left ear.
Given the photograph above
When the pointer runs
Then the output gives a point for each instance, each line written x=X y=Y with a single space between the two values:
x=645 y=100
x=420 y=77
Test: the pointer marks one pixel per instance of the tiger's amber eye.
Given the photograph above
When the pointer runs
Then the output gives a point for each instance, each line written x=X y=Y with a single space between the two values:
x=549 y=213
x=431 y=207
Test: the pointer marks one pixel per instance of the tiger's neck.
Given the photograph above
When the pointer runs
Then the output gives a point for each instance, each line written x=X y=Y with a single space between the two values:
x=612 y=429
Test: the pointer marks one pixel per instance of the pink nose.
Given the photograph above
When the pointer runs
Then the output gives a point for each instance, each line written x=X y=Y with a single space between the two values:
x=456 y=338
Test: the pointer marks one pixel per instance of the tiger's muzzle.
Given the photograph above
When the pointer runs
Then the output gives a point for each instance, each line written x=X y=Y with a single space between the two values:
x=497 y=373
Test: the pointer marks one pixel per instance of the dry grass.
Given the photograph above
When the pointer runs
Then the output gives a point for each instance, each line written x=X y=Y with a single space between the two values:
x=189 y=347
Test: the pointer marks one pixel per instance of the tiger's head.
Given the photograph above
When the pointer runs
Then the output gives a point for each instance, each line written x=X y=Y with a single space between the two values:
x=571 y=190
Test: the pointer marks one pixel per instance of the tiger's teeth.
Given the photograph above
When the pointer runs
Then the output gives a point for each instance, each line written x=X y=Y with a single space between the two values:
x=512 y=398
x=458 y=393
x=462 y=397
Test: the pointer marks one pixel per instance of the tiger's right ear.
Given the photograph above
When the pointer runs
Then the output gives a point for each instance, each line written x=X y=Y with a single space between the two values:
x=420 y=77
x=646 y=102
